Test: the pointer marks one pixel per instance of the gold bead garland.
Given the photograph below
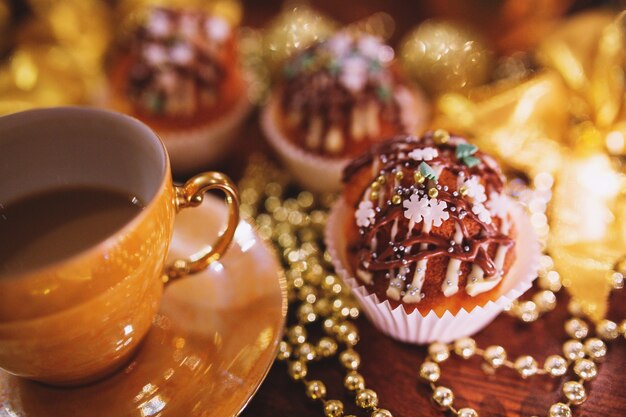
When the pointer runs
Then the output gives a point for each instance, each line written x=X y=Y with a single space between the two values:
x=317 y=297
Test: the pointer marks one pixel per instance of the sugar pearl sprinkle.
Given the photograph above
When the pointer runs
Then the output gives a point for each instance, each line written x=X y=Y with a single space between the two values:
x=294 y=225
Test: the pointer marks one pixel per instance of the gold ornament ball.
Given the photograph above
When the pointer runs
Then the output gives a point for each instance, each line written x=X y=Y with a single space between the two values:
x=291 y=31
x=560 y=410
x=430 y=371
x=333 y=408
x=467 y=412
x=438 y=351
x=306 y=352
x=306 y=313
x=443 y=56
x=296 y=335
x=585 y=369
x=381 y=412
x=366 y=398
x=297 y=370
x=526 y=366
x=576 y=328
x=607 y=329
x=465 y=347
x=354 y=381
x=326 y=347
x=284 y=351
x=555 y=365
x=350 y=359
x=495 y=356
x=574 y=391
x=315 y=389
x=573 y=349
x=528 y=311
x=443 y=397
x=595 y=348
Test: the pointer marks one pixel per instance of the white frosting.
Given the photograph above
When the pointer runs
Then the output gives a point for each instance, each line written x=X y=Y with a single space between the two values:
x=450 y=285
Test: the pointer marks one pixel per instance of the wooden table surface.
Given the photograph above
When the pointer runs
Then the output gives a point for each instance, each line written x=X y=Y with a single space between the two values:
x=391 y=368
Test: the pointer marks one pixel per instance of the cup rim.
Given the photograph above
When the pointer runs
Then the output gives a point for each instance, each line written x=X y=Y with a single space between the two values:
x=111 y=239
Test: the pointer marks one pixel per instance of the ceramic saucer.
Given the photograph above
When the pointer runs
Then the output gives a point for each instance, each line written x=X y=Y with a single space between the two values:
x=210 y=346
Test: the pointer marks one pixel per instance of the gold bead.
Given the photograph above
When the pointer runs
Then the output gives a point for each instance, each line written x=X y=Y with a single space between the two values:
x=375 y=186
x=323 y=307
x=617 y=280
x=396 y=199
x=573 y=349
x=555 y=365
x=526 y=366
x=441 y=136
x=296 y=335
x=438 y=351
x=315 y=389
x=585 y=369
x=326 y=347
x=374 y=195
x=574 y=391
x=381 y=412
x=545 y=300
x=381 y=179
x=297 y=370
x=465 y=347
x=333 y=408
x=463 y=190
x=307 y=294
x=350 y=359
x=576 y=328
x=284 y=351
x=433 y=193
x=354 y=381
x=443 y=397
x=467 y=412
x=495 y=356
x=430 y=371
x=306 y=352
x=527 y=311
x=366 y=398
x=399 y=175
x=595 y=348
x=418 y=177
x=306 y=313
x=550 y=281
x=607 y=330
x=560 y=410
x=329 y=325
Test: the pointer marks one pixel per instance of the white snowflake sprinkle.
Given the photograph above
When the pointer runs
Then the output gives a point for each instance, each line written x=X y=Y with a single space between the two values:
x=437 y=213
x=415 y=208
x=181 y=54
x=426 y=154
x=429 y=210
x=475 y=189
x=354 y=73
x=340 y=44
x=498 y=205
x=365 y=214
x=369 y=46
x=481 y=211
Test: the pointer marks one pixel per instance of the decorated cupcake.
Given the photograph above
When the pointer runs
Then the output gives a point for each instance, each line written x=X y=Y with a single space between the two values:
x=335 y=99
x=427 y=239
x=180 y=74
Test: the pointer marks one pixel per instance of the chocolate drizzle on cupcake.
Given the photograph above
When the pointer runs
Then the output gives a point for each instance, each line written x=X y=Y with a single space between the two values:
x=431 y=198
x=178 y=62
x=344 y=90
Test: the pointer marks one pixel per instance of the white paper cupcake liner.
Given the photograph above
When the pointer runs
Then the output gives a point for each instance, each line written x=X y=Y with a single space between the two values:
x=415 y=328
x=196 y=148
x=313 y=172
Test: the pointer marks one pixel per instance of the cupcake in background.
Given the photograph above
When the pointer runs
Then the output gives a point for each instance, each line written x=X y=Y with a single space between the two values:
x=333 y=101
x=427 y=239
x=179 y=73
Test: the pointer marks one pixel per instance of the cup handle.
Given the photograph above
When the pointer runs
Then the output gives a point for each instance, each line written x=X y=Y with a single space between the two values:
x=190 y=195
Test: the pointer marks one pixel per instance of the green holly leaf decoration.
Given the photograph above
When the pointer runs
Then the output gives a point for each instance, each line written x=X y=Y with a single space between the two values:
x=427 y=171
x=471 y=161
x=464 y=150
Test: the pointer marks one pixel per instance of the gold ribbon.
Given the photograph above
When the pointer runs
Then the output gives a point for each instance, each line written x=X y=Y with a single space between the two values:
x=563 y=120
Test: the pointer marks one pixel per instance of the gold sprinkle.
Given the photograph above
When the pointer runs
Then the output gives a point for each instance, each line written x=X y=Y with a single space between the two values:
x=441 y=136
x=419 y=177
x=374 y=195
x=375 y=186
x=433 y=193
x=463 y=190
x=381 y=179
x=396 y=199
x=399 y=175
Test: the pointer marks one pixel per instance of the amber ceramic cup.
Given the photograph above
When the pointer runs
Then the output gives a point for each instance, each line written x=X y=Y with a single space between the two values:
x=80 y=318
